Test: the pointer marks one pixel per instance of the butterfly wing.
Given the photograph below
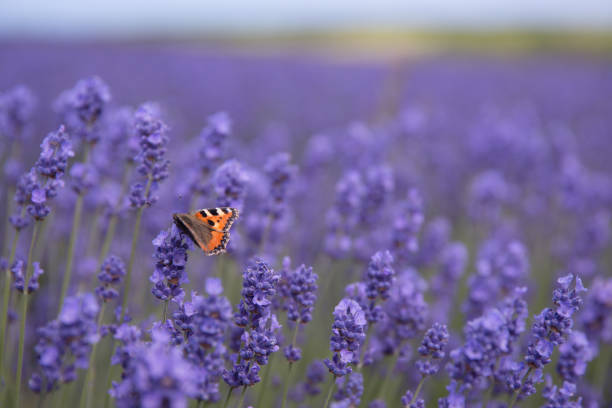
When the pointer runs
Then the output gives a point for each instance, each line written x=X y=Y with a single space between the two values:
x=208 y=228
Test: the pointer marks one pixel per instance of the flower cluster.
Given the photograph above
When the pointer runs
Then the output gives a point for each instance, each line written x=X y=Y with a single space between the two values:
x=347 y=336
x=151 y=159
x=111 y=273
x=553 y=325
x=258 y=338
x=18 y=271
x=154 y=374
x=36 y=187
x=65 y=343
x=17 y=106
x=230 y=182
x=432 y=346
x=170 y=259
x=406 y=227
x=280 y=174
x=203 y=323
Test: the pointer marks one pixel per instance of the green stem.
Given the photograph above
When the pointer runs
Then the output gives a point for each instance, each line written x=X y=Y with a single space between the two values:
x=112 y=226
x=286 y=386
x=264 y=383
x=128 y=276
x=229 y=396
x=242 y=395
x=76 y=223
x=385 y=386
x=330 y=392
x=24 y=313
x=165 y=311
x=417 y=391
x=90 y=377
x=6 y=294
x=518 y=391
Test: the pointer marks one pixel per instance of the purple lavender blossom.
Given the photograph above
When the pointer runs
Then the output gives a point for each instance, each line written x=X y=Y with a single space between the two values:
x=407 y=398
x=41 y=183
x=17 y=106
x=343 y=217
x=83 y=177
x=203 y=323
x=64 y=344
x=155 y=374
x=151 y=159
x=111 y=273
x=280 y=174
x=298 y=288
x=574 y=356
x=259 y=337
x=564 y=397
x=379 y=276
x=406 y=227
x=432 y=347
x=347 y=335
x=230 y=182
x=552 y=326
x=379 y=186
x=18 y=272
x=315 y=375
x=82 y=106
x=350 y=390
x=170 y=260
x=597 y=315
x=406 y=310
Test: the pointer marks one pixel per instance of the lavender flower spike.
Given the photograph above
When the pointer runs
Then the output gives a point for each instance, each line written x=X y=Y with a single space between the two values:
x=347 y=335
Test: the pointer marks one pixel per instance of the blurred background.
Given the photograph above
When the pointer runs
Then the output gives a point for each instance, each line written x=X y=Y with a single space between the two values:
x=145 y=49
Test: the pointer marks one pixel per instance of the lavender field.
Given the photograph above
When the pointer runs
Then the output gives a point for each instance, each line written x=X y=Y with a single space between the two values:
x=413 y=232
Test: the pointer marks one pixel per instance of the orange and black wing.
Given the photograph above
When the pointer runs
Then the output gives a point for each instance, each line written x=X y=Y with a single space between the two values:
x=209 y=227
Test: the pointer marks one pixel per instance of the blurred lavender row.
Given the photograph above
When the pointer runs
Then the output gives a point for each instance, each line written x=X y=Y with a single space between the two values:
x=427 y=232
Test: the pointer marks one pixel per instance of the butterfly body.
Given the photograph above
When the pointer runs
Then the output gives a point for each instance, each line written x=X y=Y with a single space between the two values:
x=208 y=228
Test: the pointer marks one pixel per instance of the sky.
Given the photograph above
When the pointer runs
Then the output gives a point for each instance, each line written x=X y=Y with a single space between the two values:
x=125 y=18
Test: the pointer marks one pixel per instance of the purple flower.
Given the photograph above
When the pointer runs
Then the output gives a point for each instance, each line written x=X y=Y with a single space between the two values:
x=435 y=238
x=553 y=325
x=597 y=315
x=406 y=310
x=230 y=182
x=259 y=336
x=343 y=217
x=17 y=106
x=18 y=272
x=298 y=288
x=574 y=355
x=213 y=141
x=347 y=335
x=379 y=276
x=112 y=271
x=379 y=186
x=407 y=398
x=84 y=176
x=315 y=375
x=170 y=260
x=203 y=323
x=564 y=397
x=155 y=374
x=350 y=390
x=489 y=191
x=432 y=346
x=65 y=343
x=407 y=225
x=280 y=174
x=151 y=159
x=82 y=106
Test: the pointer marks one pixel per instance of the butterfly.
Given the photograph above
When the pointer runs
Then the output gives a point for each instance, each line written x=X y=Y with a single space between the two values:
x=208 y=228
